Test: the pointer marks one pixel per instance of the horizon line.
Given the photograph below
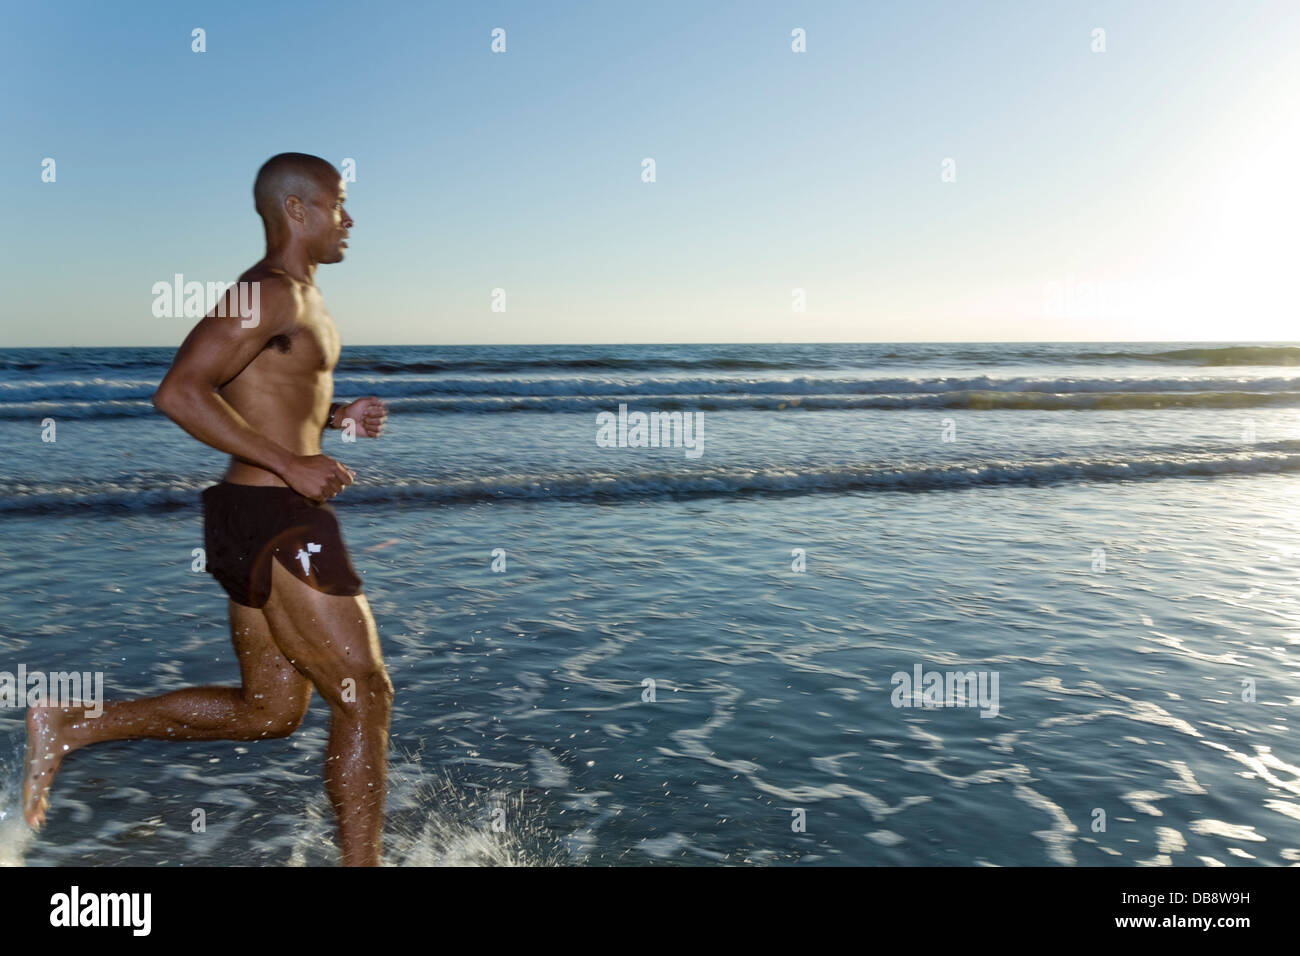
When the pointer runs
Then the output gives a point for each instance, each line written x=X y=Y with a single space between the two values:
x=476 y=345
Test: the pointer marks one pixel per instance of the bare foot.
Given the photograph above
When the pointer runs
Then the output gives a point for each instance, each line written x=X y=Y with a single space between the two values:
x=44 y=751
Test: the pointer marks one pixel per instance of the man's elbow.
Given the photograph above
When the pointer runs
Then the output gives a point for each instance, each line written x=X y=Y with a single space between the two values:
x=168 y=400
x=162 y=399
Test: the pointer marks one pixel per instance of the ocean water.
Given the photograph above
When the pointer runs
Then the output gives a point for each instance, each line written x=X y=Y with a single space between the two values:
x=1108 y=531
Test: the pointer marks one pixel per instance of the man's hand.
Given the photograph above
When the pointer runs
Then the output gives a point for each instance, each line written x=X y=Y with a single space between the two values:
x=318 y=477
x=369 y=414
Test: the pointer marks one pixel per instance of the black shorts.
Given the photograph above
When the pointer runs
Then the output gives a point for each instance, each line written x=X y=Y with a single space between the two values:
x=245 y=527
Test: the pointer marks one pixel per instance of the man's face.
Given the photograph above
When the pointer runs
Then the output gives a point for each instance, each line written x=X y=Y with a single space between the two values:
x=329 y=221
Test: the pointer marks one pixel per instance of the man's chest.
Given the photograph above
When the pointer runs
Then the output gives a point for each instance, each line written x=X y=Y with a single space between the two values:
x=310 y=345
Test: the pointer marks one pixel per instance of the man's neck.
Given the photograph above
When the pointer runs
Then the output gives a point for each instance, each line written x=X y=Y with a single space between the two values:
x=293 y=262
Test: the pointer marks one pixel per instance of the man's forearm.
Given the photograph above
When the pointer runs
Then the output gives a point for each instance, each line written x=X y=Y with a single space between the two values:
x=210 y=418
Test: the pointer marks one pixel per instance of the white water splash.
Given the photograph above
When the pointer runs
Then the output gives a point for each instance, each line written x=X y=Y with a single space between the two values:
x=15 y=835
x=431 y=820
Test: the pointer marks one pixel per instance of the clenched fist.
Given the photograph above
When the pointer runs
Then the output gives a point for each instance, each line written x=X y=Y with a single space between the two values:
x=318 y=477
x=368 y=413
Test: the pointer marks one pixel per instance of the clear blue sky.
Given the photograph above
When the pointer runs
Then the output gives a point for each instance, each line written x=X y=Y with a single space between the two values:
x=1146 y=192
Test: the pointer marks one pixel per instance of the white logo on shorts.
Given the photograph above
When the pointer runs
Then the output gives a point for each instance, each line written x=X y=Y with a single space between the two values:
x=305 y=556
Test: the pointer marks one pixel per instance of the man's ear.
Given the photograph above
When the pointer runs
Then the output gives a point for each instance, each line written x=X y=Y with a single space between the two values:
x=294 y=210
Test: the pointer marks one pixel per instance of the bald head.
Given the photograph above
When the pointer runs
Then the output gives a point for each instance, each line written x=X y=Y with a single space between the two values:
x=291 y=174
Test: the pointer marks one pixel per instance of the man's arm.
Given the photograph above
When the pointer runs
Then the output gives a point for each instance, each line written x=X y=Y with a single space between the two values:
x=215 y=351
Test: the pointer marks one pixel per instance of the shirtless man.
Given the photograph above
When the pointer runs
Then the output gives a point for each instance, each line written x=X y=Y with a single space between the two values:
x=259 y=386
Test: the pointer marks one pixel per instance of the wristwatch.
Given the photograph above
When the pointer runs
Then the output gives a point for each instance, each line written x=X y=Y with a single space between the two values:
x=334 y=407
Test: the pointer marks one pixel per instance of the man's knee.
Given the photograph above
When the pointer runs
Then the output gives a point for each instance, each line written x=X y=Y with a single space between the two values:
x=278 y=716
x=362 y=694
x=377 y=688
x=282 y=724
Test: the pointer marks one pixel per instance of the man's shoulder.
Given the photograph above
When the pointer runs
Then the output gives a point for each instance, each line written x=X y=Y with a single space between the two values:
x=273 y=280
x=280 y=294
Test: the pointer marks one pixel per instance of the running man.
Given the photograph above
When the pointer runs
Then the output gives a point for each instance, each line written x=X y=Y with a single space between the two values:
x=257 y=382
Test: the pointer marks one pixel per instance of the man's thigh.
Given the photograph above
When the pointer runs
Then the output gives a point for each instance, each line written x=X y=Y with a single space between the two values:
x=328 y=638
x=268 y=678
